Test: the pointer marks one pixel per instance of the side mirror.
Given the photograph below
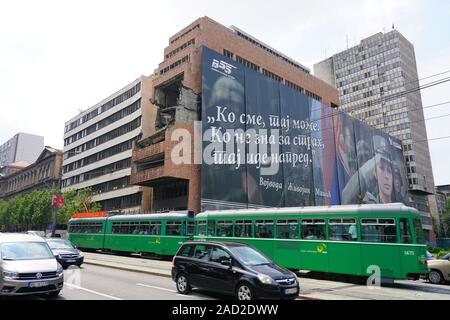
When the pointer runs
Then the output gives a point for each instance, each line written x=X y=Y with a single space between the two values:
x=226 y=263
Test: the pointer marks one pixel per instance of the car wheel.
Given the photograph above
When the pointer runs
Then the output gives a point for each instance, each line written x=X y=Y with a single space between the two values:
x=244 y=292
x=435 y=277
x=183 y=285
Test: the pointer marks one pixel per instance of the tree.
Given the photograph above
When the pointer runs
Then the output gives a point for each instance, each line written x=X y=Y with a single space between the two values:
x=77 y=202
x=447 y=220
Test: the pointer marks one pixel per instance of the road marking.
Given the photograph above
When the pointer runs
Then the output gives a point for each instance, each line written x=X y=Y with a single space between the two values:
x=91 y=291
x=153 y=287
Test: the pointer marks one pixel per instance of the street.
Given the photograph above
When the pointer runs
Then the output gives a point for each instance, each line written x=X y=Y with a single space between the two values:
x=109 y=277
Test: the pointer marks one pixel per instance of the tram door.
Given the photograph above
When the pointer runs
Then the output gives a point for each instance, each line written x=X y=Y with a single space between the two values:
x=313 y=251
x=287 y=246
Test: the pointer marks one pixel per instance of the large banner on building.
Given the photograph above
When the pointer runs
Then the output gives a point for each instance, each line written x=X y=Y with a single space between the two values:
x=268 y=145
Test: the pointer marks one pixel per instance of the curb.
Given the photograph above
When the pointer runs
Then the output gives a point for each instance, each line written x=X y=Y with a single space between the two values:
x=155 y=273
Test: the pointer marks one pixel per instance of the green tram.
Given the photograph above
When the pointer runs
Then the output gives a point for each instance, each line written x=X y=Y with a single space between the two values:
x=147 y=234
x=352 y=239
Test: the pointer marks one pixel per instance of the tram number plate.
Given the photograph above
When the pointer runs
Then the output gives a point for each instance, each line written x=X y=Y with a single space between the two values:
x=38 y=284
x=290 y=291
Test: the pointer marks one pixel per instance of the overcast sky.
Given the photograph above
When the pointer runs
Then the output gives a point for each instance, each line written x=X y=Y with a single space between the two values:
x=57 y=58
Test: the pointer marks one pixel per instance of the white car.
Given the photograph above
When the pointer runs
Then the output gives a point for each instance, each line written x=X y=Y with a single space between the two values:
x=28 y=266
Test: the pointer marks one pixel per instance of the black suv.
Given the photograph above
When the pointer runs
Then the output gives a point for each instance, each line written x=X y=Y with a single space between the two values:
x=231 y=268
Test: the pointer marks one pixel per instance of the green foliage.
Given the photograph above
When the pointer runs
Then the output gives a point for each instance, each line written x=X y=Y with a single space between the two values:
x=34 y=210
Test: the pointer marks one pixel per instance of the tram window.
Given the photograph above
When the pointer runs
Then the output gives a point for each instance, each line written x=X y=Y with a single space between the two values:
x=405 y=231
x=134 y=228
x=243 y=228
x=420 y=238
x=190 y=228
x=342 y=230
x=313 y=229
x=287 y=229
x=201 y=228
x=155 y=228
x=116 y=227
x=378 y=230
x=224 y=229
x=144 y=228
x=264 y=229
x=124 y=226
x=173 y=228
x=211 y=228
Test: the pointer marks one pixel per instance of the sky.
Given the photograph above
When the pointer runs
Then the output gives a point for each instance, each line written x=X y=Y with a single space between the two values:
x=58 y=58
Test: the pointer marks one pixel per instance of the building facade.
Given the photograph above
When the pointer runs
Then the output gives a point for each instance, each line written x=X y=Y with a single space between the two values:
x=98 y=148
x=377 y=82
x=44 y=173
x=22 y=147
x=176 y=104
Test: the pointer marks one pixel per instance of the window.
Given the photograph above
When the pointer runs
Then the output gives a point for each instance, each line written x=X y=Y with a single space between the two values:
x=190 y=228
x=173 y=228
x=211 y=227
x=228 y=54
x=287 y=229
x=313 y=229
x=405 y=231
x=155 y=228
x=378 y=230
x=218 y=255
x=420 y=238
x=202 y=252
x=201 y=228
x=342 y=230
x=224 y=229
x=243 y=229
x=264 y=229
x=186 y=251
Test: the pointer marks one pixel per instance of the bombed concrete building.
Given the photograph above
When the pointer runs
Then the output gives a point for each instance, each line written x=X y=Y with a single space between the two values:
x=176 y=103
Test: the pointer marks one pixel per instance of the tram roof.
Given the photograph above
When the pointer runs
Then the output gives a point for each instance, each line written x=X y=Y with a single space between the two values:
x=172 y=214
x=342 y=209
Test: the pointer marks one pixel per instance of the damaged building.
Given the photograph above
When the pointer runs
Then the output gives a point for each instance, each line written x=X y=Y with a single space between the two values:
x=175 y=103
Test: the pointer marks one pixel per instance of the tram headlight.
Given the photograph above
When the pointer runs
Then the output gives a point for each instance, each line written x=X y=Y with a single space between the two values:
x=265 y=279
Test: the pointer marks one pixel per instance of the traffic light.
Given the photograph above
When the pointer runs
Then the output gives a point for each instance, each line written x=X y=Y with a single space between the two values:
x=55 y=201
x=61 y=201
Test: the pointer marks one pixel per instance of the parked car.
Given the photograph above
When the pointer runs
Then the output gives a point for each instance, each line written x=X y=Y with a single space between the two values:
x=430 y=256
x=231 y=268
x=36 y=233
x=65 y=252
x=439 y=269
x=28 y=266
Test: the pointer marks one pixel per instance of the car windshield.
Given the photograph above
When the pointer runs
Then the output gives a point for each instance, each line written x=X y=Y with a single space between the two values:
x=446 y=256
x=249 y=256
x=25 y=251
x=60 y=244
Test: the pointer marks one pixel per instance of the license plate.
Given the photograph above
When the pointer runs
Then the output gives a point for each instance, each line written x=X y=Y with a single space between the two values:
x=290 y=291
x=69 y=261
x=38 y=284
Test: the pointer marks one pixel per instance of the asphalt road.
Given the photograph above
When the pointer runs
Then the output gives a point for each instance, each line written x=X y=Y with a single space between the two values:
x=104 y=283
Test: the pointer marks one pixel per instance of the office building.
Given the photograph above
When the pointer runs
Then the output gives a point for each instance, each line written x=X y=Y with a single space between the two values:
x=97 y=149
x=377 y=83
x=22 y=147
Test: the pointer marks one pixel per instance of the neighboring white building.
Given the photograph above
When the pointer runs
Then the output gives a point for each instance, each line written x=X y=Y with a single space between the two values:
x=22 y=147
x=98 y=148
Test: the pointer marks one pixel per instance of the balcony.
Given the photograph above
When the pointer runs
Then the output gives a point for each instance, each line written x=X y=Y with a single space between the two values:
x=148 y=152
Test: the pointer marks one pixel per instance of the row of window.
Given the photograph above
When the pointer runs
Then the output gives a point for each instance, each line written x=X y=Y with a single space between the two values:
x=110 y=168
x=111 y=185
x=180 y=48
x=174 y=65
x=101 y=124
x=271 y=75
x=144 y=228
x=105 y=107
x=346 y=229
x=121 y=203
x=197 y=26
x=126 y=128
x=119 y=148
x=272 y=52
